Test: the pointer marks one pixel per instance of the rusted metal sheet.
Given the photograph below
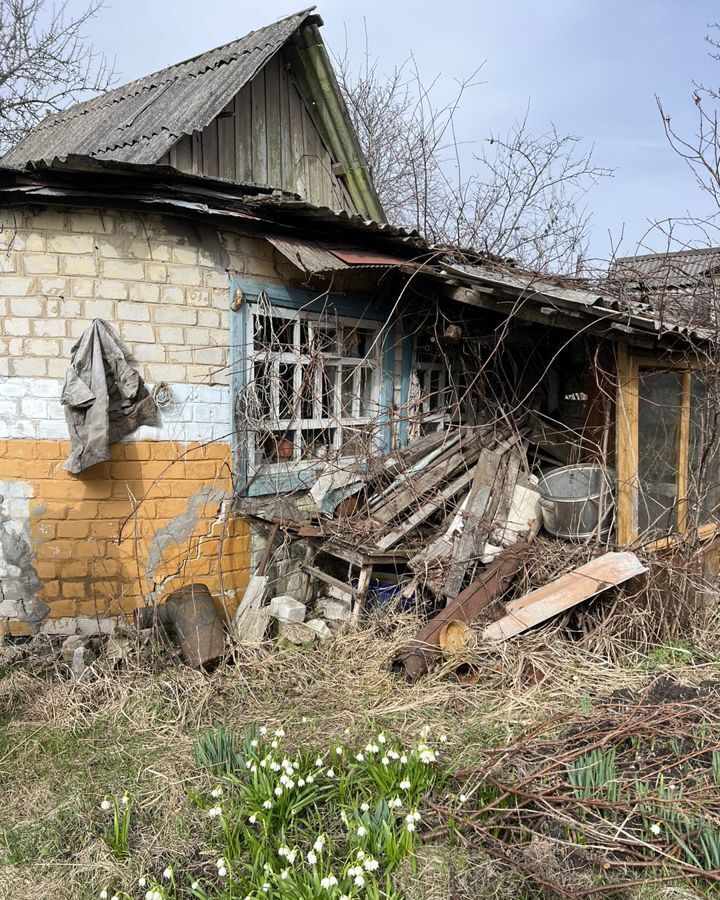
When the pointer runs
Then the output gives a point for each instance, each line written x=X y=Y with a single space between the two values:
x=606 y=571
x=425 y=651
x=355 y=256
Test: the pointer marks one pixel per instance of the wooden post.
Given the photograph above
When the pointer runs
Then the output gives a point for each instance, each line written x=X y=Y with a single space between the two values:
x=362 y=589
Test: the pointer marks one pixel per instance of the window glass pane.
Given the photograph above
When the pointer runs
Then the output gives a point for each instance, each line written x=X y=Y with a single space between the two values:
x=329 y=398
x=347 y=389
x=275 y=446
x=704 y=456
x=660 y=401
x=286 y=375
x=273 y=333
x=317 y=443
x=366 y=389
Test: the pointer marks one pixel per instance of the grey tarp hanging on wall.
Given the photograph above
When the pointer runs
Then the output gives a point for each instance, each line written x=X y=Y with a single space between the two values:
x=104 y=397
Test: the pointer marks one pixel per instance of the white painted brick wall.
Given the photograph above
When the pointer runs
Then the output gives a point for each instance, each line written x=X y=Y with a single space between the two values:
x=31 y=408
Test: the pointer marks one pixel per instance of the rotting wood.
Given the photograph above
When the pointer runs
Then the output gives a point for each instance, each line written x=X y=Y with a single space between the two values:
x=424 y=650
x=606 y=571
x=255 y=592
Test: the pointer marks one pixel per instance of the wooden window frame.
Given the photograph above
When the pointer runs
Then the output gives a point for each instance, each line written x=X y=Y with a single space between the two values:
x=628 y=400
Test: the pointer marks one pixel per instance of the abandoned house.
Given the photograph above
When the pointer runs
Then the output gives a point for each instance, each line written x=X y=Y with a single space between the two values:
x=305 y=370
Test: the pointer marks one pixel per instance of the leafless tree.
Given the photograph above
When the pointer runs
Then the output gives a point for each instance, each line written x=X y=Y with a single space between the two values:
x=46 y=62
x=522 y=197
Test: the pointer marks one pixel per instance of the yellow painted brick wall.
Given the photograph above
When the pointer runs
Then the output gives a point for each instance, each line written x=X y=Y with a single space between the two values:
x=94 y=538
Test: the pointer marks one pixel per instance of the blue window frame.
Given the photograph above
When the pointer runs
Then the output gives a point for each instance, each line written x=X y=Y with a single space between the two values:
x=312 y=384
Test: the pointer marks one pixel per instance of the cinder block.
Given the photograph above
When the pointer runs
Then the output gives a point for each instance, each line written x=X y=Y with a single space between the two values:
x=336 y=610
x=296 y=632
x=21 y=306
x=321 y=629
x=287 y=609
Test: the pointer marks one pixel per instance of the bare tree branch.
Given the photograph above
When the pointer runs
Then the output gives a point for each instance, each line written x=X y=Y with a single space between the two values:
x=45 y=63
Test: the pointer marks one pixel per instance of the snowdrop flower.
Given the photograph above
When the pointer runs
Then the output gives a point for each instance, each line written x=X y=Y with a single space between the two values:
x=405 y=785
x=296 y=765
x=410 y=826
x=364 y=807
x=318 y=762
x=362 y=831
x=359 y=757
x=301 y=782
x=425 y=731
x=279 y=732
x=124 y=800
x=267 y=804
x=195 y=885
x=385 y=761
x=103 y=894
x=339 y=751
x=443 y=738
x=266 y=886
x=274 y=767
x=372 y=748
x=319 y=843
x=330 y=773
x=415 y=816
x=360 y=855
x=463 y=798
x=278 y=791
x=328 y=882
x=262 y=729
x=344 y=897
x=115 y=897
x=167 y=873
x=105 y=805
x=393 y=755
x=254 y=743
x=403 y=759
x=142 y=881
x=381 y=738
x=220 y=863
x=216 y=792
x=263 y=763
x=359 y=881
x=311 y=858
x=655 y=828
x=354 y=870
x=248 y=763
x=427 y=757
x=343 y=817
x=214 y=812
x=310 y=778
x=285 y=874
x=372 y=865
x=222 y=871
x=253 y=819
x=396 y=802
x=274 y=745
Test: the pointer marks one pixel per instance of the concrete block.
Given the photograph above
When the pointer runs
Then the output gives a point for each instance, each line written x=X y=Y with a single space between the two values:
x=287 y=609
x=337 y=610
x=337 y=594
x=251 y=625
x=321 y=629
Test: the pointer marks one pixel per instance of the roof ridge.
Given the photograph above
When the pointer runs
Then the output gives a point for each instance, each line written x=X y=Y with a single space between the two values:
x=692 y=251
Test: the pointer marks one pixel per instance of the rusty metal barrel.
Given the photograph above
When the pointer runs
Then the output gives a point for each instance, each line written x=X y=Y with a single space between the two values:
x=191 y=619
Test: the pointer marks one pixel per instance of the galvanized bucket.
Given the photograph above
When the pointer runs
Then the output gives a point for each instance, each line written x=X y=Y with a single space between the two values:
x=575 y=500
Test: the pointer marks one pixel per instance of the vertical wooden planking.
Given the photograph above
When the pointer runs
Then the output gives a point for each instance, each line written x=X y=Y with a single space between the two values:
x=311 y=153
x=298 y=180
x=285 y=130
x=210 y=149
x=243 y=135
x=226 y=142
x=683 y=454
x=627 y=445
x=183 y=154
x=272 y=122
x=259 y=130
x=197 y=153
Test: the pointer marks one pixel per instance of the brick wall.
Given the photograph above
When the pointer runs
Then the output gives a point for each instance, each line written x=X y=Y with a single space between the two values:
x=76 y=549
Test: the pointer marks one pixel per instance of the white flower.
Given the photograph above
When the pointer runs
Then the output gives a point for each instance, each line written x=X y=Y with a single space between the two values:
x=362 y=831
x=330 y=773
x=381 y=738
x=463 y=798
x=372 y=865
x=296 y=765
x=220 y=863
x=279 y=732
x=655 y=828
x=318 y=762
x=354 y=870
x=262 y=729
x=167 y=873
x=415 y=816
x=285 y=874
x=103 y=894
x=360 y=855
x=304 y=720
x=396 y=802
x=410 y=826
x=372 y=748
x=385 y=761
x=393 y=755
x=274 y=745
x=266 y=886
x=142 y=881
x=311 y=858
x=403 y=759
x=267 y=804
x=328 y=882
x=149 y=895
x=195 y=885
x=278 y=791
x=310 y=778
x=364 y=807
x=291 y=857
x=254 y=743
x=214 y=812
x=301 y=782
x=359 y=881
x=425 y=731
x=319 y=843
x=405 y=785
x=443 y=738
x=124 y=799
x=253 y=819
x=263 y=763
x=359 y=757
x=115 y=897
x=222 y=871
x=427 y=756
x=275 y=767
x=339 y=751
x=248 y=763
x=105 y=805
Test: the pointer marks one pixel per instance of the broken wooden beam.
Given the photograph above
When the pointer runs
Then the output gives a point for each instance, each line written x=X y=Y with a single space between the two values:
x=589 y=580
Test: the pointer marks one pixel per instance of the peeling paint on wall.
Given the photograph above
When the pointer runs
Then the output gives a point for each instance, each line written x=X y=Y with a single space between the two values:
x=19 y=581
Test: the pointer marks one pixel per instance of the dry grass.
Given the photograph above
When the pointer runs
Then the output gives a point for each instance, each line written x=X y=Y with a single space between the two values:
x=65 y=744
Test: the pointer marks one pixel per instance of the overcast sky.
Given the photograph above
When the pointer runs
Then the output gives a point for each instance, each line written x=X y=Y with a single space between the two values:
x=592 y=67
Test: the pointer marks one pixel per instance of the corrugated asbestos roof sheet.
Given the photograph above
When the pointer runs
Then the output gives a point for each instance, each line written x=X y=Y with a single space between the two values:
x=140 y=121
x=656 y=270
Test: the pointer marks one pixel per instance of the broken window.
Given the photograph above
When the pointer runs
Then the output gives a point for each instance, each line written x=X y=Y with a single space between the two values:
x=668 y=462
x=312 y=388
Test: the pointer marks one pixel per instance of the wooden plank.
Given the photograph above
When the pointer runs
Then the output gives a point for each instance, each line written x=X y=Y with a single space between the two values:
x=299 y=174
x=259 y=129
x=311 y=154
x=272 y=123
x=285 y=129
x=210 y=149
x=183 y=151
x=683 y=454
x=197 y=153
x=328 y=579
x=606 y=571
x=243 y=135
x=226 y=142
x=627 y=449
x=425 y=511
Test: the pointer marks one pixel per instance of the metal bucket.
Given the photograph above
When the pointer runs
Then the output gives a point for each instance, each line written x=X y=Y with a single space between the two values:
x=575 y=500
